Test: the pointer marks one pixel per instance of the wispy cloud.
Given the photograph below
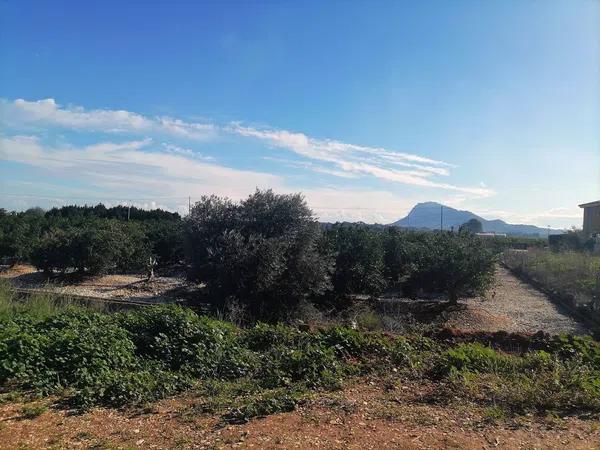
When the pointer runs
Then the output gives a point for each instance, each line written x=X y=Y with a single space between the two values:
x=164 y=161
x=362 y=160
x=134 y=172
x=312 y=167
x=188 y=152
x=49 y=112
x=135 y=168
x=336 y=158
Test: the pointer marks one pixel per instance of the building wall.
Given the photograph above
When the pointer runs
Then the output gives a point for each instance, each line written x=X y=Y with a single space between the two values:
x=591 y=220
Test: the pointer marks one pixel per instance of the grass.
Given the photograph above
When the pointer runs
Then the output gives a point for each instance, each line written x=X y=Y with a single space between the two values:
x=37 y=305
x=33 y=411
x=574 y=274
x=88 y=358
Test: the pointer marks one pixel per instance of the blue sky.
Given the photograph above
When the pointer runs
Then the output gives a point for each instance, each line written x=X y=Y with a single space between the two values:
x=365 y=107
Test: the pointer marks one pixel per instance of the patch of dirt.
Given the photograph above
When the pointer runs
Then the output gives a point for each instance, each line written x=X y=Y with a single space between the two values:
x=366 y=415
x=130 y=287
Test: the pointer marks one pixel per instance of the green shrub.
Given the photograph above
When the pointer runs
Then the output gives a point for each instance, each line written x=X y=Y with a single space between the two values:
x=147 y=381
x=415 y=356
x=359 y=265
x=264 y=252
x=33 y=411
x=270 y=403
x=583 y=347
x=347 y=342
x=182 y=340
x=475 y=358
x=312 y=365
x=457 y=265
x=262 y=336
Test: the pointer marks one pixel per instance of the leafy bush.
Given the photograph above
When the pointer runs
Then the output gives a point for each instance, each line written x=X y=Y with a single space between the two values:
x=475 y=358
x=131 y=357
x=312 y=364
x=33 y=411
x=359 y=266
x=262 y=336
x=91 y=239
x=182 y=341
x=19 y=234
x=352 y=343
x=95 y=247
x=584 y=348
x=455 y=264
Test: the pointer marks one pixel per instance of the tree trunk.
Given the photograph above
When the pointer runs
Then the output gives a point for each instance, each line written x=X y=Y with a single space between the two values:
x=452 y=298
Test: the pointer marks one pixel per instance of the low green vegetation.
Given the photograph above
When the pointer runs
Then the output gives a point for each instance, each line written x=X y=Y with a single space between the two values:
x=574 y=276
x=87 y=358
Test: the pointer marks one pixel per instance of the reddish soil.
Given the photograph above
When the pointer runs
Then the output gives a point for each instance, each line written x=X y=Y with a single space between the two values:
x=366 y=415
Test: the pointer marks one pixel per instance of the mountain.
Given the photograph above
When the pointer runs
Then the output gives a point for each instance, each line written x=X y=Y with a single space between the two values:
x=427 y=215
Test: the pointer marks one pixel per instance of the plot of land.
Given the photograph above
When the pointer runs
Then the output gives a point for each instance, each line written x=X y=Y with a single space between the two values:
x=366 y=415
x=127 y=287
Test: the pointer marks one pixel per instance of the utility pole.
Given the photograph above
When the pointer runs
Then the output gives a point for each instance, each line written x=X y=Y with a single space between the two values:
x=189 y=205
x=128 y=211
x=441 y=217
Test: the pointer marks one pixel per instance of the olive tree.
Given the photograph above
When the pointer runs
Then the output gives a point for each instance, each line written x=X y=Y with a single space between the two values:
x=265 y=252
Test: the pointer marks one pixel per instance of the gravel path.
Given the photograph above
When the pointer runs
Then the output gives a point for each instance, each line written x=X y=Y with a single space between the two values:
x=522 y=308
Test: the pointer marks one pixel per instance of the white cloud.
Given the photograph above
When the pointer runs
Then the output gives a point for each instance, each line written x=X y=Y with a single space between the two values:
x=351 y=159
x=361 y=160
x=133 y=169
x=172 y=167
x=188 y=152
x=48 y=112
x=313 y=167
x=132 y=172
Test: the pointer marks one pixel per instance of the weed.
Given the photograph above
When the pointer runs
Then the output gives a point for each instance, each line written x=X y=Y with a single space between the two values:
x=269 y=403
x=33 y=411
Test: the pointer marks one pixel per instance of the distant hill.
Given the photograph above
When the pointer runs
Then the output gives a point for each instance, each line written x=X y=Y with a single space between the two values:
x=427 y=215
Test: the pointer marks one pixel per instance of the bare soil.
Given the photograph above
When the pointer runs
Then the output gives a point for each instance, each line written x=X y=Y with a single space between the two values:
x=129 y=287
x=368 y=414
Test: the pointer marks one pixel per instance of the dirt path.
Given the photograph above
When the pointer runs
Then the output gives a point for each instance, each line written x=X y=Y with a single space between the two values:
x=518 y=307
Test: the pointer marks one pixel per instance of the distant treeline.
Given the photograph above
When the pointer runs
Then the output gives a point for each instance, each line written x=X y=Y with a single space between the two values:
x=266 y=254
x=92 y=239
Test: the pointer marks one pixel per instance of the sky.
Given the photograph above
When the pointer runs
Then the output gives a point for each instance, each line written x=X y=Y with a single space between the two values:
x=366 y=108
